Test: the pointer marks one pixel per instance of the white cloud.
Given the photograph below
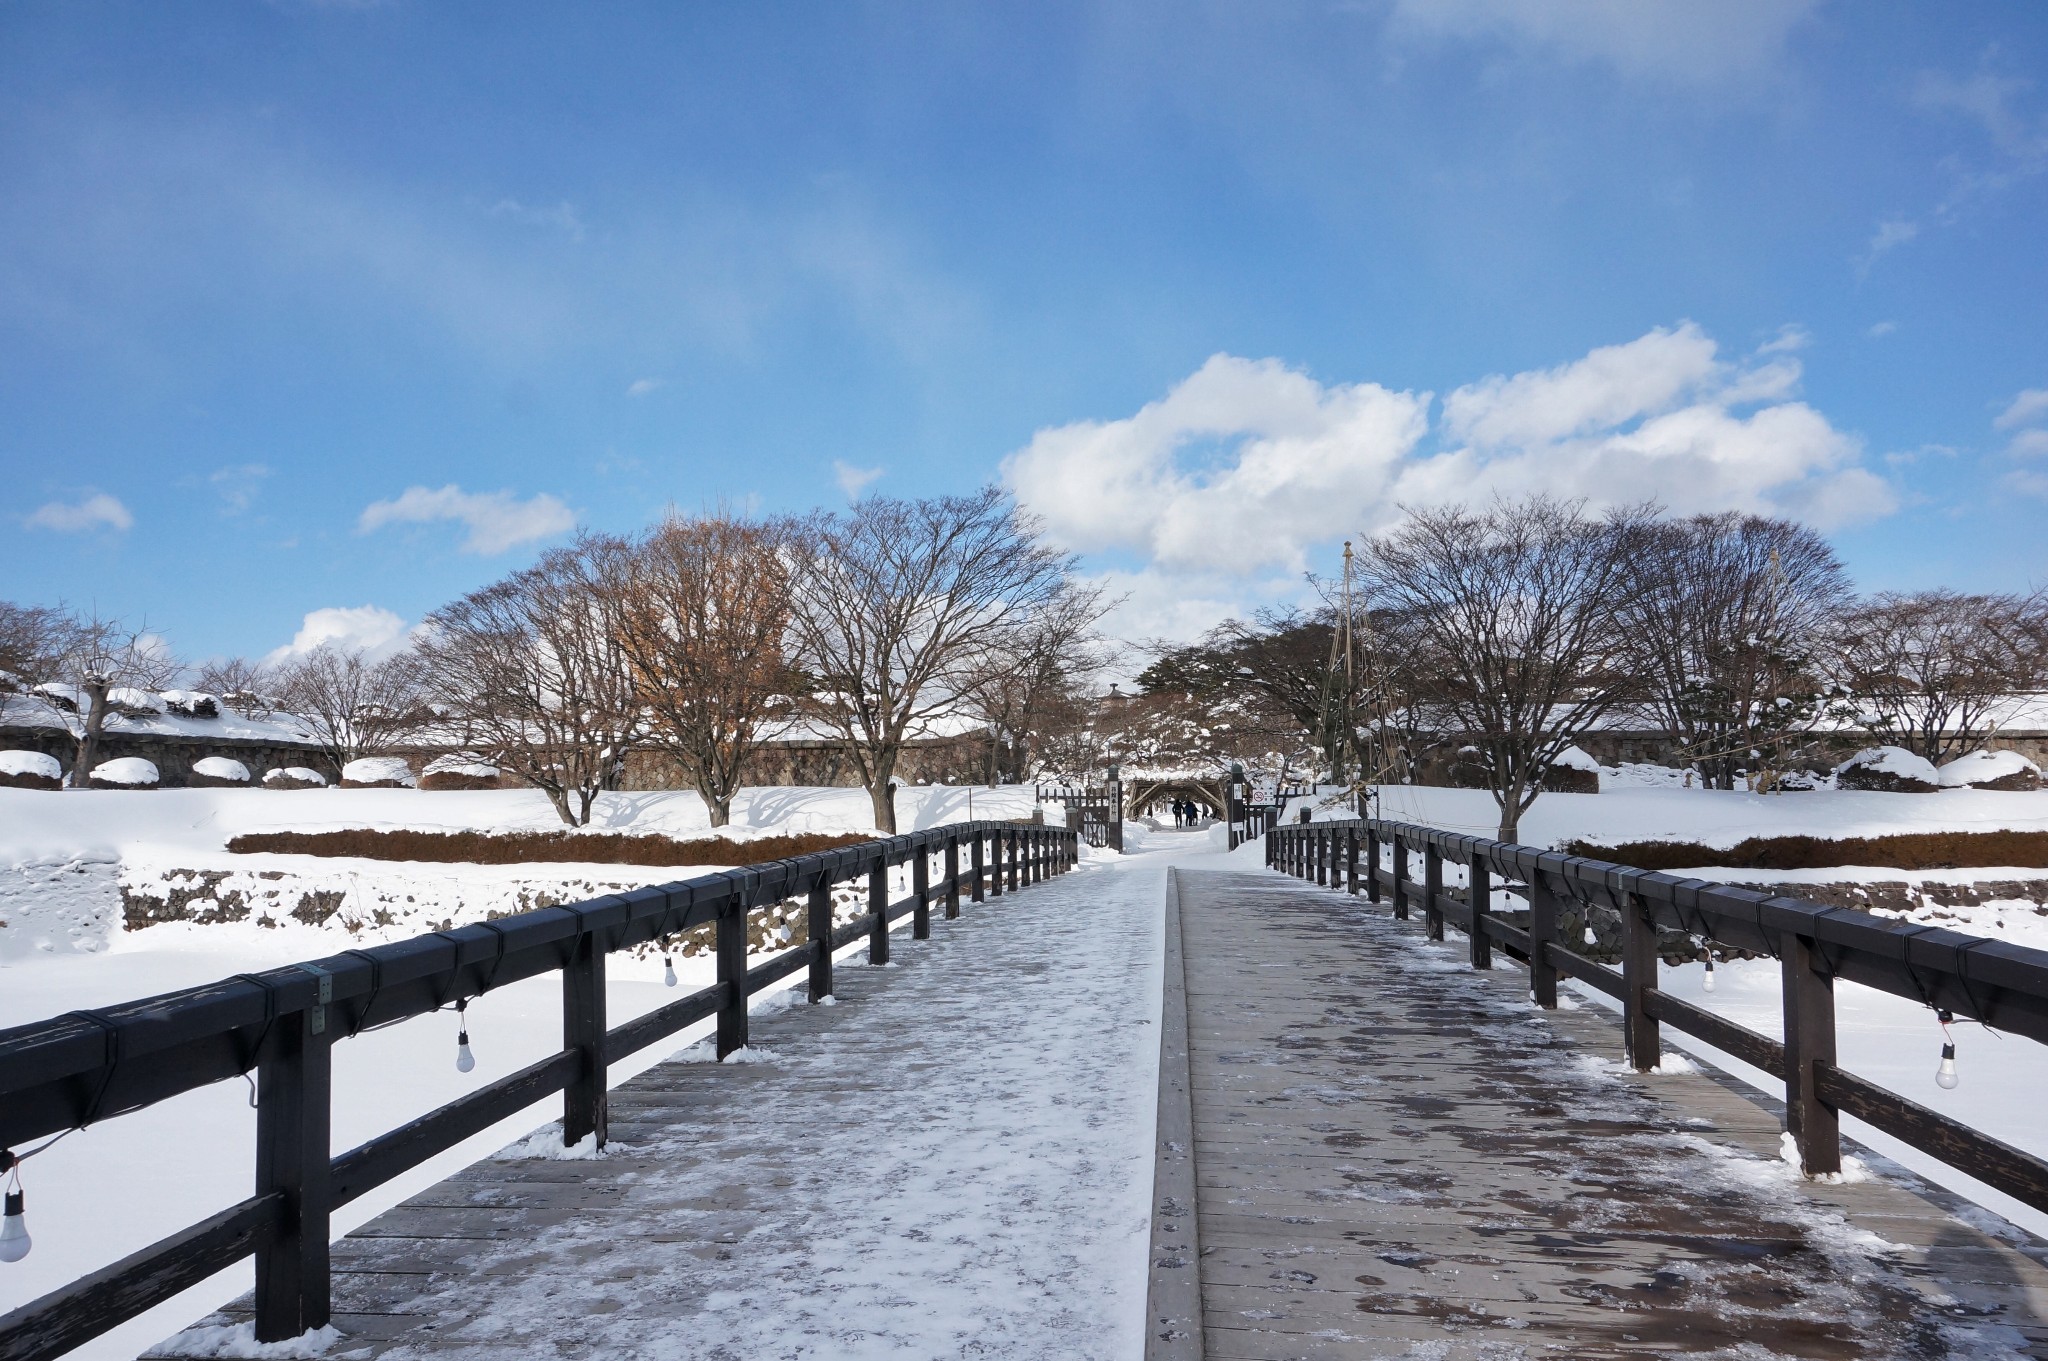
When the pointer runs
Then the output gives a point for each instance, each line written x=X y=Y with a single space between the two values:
x=1882 y=329
x=2027 y=408
x=1691 y=42
x=642 y=386
x=238 y=486
x=853 y=481
x=98 y=511
x=2029 y=444
x=1222 y=488
x=1891 y=233
x=496 y=520
x=562 y=217
x=1288 y=462
x=372 y=629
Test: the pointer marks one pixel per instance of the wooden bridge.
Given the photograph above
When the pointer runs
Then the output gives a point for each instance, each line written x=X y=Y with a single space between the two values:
x=1370 y=1141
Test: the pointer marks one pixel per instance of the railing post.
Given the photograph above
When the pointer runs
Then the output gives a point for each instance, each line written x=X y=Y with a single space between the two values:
x=583 y=1100
x=1013 y=856
x=1323 y=858
x=1400 y=877
x=1479 y=897
x=1272 y=850
x=1432 y=891
x=1372 y=865
x=1638 y=979
x=294 y=1083
x=978 y=863
x=921 y=887
x=1351 y=861
x=952 y=870
x=821 y=937
x=732 y=973
x=1542 y=935
x=878 y=905
x=1815 y=1126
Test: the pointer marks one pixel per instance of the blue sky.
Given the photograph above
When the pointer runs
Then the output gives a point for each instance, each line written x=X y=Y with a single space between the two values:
x=343 y=309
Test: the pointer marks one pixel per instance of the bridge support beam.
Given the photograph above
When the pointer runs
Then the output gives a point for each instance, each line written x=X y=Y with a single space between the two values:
x=1542 y=934
x=1640 y=1032
x=1400 y=877
x=1815 y=1126
x=583 y=1100
x=952 y=873
x=1432 y=892
x=820 y=923
x=1479 y=896
x=878 y=907
x=921 y=887
x=294 y=1079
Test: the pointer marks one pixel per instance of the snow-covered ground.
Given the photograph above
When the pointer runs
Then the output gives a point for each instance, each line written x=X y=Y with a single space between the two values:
x=118 y=1186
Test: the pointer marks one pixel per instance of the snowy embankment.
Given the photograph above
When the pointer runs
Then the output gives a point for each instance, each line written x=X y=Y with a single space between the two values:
x=65 y=859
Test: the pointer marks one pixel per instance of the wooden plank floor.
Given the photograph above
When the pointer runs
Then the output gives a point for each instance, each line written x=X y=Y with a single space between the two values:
x=1397 y=1156
x=954 y=1159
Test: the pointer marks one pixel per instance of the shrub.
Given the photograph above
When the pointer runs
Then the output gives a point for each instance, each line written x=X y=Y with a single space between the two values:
x=218 y=772
x=125 y=772
x=377 y=772
x=1892 y=770
x=30 y=770
x=2004 y=770
x=519 y=848
x=294 y=777
x=1906 y=851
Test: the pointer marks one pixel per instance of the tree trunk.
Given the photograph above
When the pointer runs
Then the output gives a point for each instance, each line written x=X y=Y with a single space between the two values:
x=720 y=808
x=560 y=799
x=882 y=794
x=89 y=739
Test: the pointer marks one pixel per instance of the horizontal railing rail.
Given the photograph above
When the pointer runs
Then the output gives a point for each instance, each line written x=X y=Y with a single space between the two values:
x=1972 y=977
x=87 y=1066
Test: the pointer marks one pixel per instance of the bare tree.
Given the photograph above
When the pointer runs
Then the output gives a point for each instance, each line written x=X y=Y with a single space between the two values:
x=1030 y=683
x=250 y=686
x=533 y=665
x=1511 y=619
x=356 y=704
x=1937 y=671
x=703 y=610
x=895 y=602
x=1728 y=616
x=34 y=641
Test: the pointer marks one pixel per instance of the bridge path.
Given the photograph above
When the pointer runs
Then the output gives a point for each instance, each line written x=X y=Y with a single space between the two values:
x=1399 y=1157
x=954 y=1159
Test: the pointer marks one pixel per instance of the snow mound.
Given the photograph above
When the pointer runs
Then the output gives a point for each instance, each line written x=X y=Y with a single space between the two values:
x=459 y=770
x=1893 y=769
x=125 y=772
x=294 y=777
x=1990 y=770
x=130 y=700
x=377 y=772
x=30 y=770
x=239 y=1340
x=223 y=769
x=1576 y=758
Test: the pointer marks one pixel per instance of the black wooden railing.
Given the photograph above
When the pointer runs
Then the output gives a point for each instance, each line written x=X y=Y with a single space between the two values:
x=88 y=1066
x=1095 y=811
x=2003 y=985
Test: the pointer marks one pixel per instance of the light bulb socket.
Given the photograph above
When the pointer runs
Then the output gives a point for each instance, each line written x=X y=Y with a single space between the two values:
x=1948 y=1053
x=14 y=1204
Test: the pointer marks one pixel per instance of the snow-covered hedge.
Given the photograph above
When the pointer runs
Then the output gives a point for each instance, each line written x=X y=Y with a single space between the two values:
x=1574 y=771
x=30 y=770
x=294 y=777
x=125 y=772
x=1990 y=770
x=459 y=770
x=219 y=772
x=129 y=700
x=1891 y=769
x=377 y=772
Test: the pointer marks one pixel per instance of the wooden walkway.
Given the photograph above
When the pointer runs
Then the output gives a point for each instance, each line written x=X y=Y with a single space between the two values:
x=1398 y=1157
x=952 y=1160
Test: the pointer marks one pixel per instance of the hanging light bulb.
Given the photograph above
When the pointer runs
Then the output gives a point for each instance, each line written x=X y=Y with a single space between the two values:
x=464 y=1060
x=1945 y=1076
x=14 y=1239
x=1709 y=984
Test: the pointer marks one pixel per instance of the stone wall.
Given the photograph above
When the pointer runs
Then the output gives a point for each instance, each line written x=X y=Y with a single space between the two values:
x=172 y=753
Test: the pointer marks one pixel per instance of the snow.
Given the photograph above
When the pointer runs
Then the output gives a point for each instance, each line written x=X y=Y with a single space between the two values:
x=377 y=770
x=58 y=706
x=221 y=768
x=303 y=774
x=1573 y=758
x=126 y=770
x=62 y=869
x=1980 y=766
x=1892 y=761
x=461 y=763
x=138 y=701
x=30 y=763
